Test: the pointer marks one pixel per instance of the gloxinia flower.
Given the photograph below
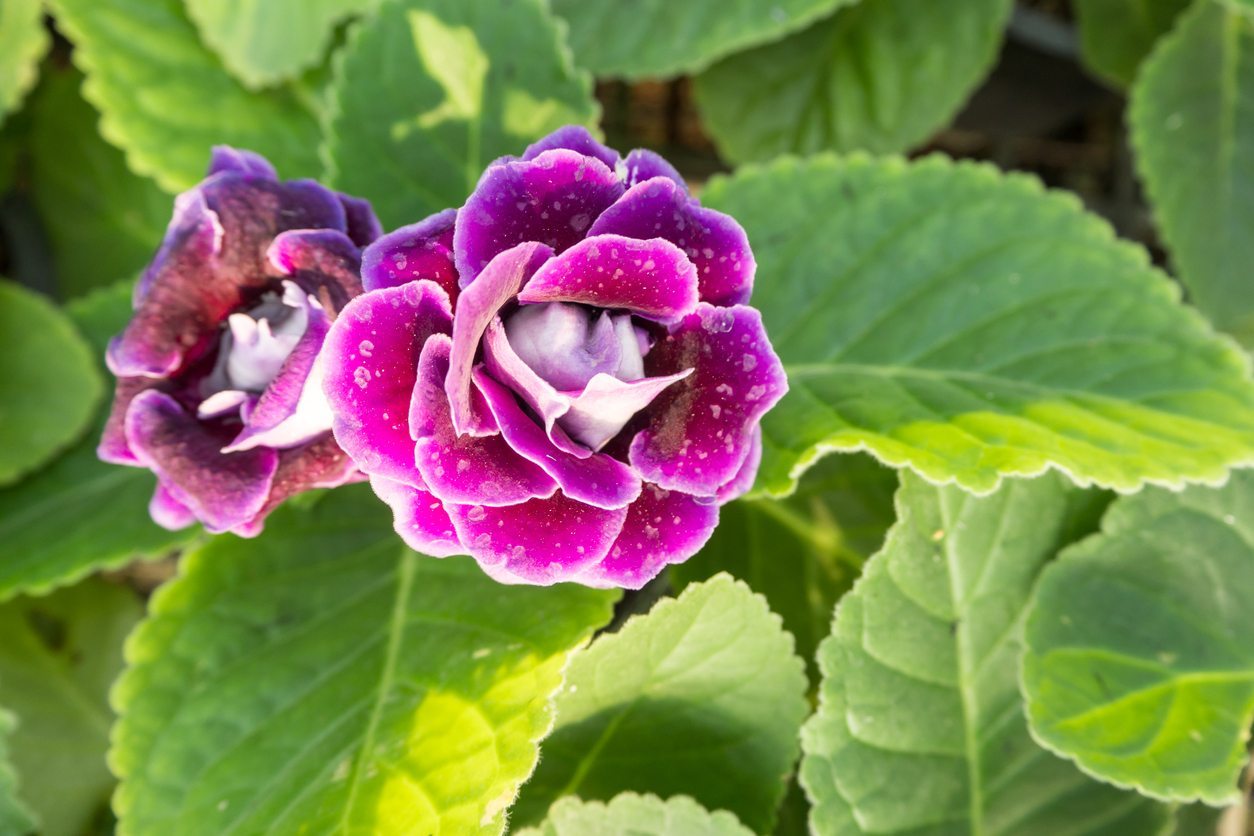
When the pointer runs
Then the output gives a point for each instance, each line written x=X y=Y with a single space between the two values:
x=218 y=391
x=560 y=378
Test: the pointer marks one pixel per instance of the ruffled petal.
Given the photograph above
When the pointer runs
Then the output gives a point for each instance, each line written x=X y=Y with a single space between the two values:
x=643 y=164
x=419 y=251
x=716 y=244
x=700 y=430
x=552 y=200
x=573 y=138
x=224 y=158
x=322 y=262
x=168 y=512
x=370 y=360
x=419 y=518
x=318 y=464
x=748 y=473
x=606 y=404
x=363 y=225
x=652 y=279
x=113 y=447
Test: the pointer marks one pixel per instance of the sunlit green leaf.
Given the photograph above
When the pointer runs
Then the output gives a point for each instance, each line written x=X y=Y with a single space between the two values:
x=1116 y=35
x=15 y=817
x=636 y=815
x=23 y=41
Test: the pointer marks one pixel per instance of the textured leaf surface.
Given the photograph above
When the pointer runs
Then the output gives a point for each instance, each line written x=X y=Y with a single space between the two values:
x=57 y=660
x=880 y=75
x=702 y=696
x=630 y=814
x=1116 y=35
x=165 y=99
x=79 y=514
x=103 y=221
x=428 y=92
x=49 y=385
x=973 y=325
x=23 y=41
x=920 y=727
x=15 y=817
x=267 y=41
x=665 y=38
x=1192 y=128
x=1140 y=659
x=322 y=679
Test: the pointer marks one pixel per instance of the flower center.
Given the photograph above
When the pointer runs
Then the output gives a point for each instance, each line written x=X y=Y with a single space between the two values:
x=257 y=342
x=567 y=345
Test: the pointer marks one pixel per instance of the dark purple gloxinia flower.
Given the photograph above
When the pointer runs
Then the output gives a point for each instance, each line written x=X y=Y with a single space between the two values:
x=560 y=378
x=218 y=391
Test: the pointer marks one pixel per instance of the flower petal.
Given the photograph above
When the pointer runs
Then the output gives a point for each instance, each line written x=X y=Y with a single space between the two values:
x=748 y=473
x=419 y=518
x=652 y=279
x=322 y=262
x=606 y=404
x=237 y=160
x=700 y=430
x=596 y=480
x=716 y=244
x=419 y=251
x=573 y=138
x=363 y=225
x=318 y=464
x=643 y=164
x=113 y=447
x=168 y=512
x=371 y=364
x=552 y=199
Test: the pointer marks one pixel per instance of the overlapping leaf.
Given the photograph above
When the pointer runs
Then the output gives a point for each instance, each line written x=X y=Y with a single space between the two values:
x=920 y=727
x=1116 y=35
x=630 y=814
x=1140 y=660
x=14 y=815
x=23 y=41
x=973 y=325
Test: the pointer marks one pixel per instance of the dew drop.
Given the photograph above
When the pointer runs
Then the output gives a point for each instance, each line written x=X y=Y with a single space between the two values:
x=366 y=347
x=476 y=513
x=361 y=376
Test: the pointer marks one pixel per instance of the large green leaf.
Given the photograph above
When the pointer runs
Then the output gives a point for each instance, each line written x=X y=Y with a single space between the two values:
x=23 y=41
x=49 y=385
x=1140 y=647
x=323 y=679
x=973 y=325
x=58 y=658
x=882 y=75
x=665 y=38
x=267 y=41
x=920 y=723
x=165 y=99
x=1192 y=120
x=103 y=221
x=428 y=92
x=703 y=696
x=15 y=817
x=1116 y=35
x=630 y=814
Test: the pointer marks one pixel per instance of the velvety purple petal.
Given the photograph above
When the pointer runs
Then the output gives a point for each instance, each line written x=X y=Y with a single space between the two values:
x=542 y=542
x=662 y=527
x=606 y=404
x=464 y=468
x=168 y=512
x=701 y=429
x=419 y=251
x=419 y=518
x=363 y=225
x=370 y=361
x=113 y=447
x=221 y=489
x=225 y=158
x=748 y=473
x=323 y=262
x=596 y=480
x=716 y=244
x=552 y=200
x=652 y=279
x=478 y=306
x=573 y=138
x=193 y=226
x=643 y=164
x=319 y=464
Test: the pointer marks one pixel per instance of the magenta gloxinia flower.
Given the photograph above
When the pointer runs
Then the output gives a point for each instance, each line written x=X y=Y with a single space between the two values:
x=218 y=391
x=560 y=378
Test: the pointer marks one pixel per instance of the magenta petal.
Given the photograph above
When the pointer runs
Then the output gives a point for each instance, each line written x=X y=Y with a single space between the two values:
x=225 y=158
x=596 y=480
x=643 y=164
x=319 y=464
x=419 y=518
x=573 y=138
x=552 y=200
x=221 y=489
x=168 y=512
x=419 y=251
x=370 y=359
x=716 y=244
x=464 y=468
x=363 y=225
x=652 y=279
x=477 y=306
x=701 y=429
x=113 y=447
x=748 y=473
x=323 y=262
x=662 y=527
x=544 y=541
x=606 y=404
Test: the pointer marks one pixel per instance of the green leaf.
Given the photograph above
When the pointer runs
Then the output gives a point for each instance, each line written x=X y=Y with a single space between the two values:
x=1192 y=128
x=1116 y=35
x=103 y=221
x=49 y=385
x=321 y=678
x=802 y=552
x=630 y=814
x=665 y=38
x=882 y=75
x=15 y=818
x=703 y=696
x=58 y=658
x=1140 y=649
x=973 y=325
x=23 y=41
x=165 y=99
x=263 y=42
x=920 y=723
x=428 y=92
